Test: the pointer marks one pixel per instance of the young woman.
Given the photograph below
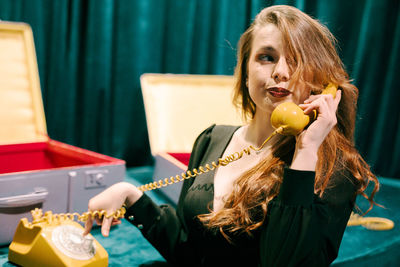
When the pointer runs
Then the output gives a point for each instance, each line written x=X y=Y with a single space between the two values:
x=287 y=205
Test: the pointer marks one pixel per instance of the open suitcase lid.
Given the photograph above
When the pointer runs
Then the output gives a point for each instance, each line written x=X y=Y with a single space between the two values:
x=180 y=106
x=22 y=118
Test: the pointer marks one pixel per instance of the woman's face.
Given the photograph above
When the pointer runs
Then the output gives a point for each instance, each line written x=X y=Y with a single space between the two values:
x=269 y=72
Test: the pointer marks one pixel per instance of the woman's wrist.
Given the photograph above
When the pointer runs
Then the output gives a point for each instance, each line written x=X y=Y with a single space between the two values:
x=132 y=194
x=305 y=159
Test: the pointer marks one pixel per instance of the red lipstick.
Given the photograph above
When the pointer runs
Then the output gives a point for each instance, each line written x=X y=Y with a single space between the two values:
x=278 y=91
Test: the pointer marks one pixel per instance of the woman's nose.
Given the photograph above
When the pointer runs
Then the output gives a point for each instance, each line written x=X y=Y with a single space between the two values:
x=281 y=71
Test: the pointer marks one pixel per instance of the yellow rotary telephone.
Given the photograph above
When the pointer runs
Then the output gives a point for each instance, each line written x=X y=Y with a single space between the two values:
x=57 y=240
x=60 y=237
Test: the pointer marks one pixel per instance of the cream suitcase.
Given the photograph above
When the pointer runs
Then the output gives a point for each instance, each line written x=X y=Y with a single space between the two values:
x=178 y=108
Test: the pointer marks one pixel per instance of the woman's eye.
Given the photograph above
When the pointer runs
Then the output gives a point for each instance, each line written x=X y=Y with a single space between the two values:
x=265 y=58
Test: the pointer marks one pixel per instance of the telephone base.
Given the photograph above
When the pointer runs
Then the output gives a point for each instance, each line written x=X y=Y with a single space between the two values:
x=55 y=244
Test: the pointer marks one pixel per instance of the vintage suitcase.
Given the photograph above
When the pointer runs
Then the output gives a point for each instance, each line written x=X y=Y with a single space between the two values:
x=178 y=108
x=36 y=171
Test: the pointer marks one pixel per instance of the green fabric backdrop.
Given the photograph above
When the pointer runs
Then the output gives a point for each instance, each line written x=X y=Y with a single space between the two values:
x=92 y=53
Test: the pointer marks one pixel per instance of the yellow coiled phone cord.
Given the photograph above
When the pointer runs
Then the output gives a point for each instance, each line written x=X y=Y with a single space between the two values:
x=206 y=168
x=50 y=218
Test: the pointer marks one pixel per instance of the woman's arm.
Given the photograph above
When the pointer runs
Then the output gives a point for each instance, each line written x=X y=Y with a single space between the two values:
x=303 y=229
x=308 y=142
x=162 y=226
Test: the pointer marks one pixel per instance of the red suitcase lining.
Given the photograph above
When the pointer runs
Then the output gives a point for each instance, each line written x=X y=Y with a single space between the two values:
x=47 y=155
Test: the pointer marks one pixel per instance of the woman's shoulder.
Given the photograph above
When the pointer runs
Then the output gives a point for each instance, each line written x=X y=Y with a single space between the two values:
x=220 y=129
x=215 y=136
x=215 y=132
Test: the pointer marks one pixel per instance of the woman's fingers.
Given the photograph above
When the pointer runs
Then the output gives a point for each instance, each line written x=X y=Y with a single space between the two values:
x=105 y=226
x=110 y=200
x=320 y=105
x=313 y=97
x=99 y=221
x=326 y=107
x=325 y=104
x=338 y=97
x=105 y=223
x=115 y=222
x=88 y=226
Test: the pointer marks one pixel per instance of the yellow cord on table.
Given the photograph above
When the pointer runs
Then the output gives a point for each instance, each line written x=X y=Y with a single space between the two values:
x=371 y=223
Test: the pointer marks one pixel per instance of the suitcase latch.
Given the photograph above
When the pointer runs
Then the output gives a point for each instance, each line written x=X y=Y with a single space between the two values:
x=95 y=178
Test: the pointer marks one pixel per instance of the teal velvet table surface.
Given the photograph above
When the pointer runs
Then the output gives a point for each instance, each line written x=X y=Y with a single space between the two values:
x=360 y=246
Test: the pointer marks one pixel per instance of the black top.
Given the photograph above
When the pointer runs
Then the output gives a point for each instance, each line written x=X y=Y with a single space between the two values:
x=301 y=229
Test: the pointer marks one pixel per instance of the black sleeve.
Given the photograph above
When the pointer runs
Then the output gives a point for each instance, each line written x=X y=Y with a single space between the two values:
x=163 y=226
x=303 y=229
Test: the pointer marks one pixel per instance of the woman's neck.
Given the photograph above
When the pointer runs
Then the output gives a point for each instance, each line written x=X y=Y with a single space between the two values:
x=259 y=129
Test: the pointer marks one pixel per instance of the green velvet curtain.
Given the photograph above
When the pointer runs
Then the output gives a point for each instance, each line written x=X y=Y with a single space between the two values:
x=92 y=53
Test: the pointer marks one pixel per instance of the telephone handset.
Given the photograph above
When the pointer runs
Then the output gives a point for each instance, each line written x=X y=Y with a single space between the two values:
x=57 y=240
x=289 y=119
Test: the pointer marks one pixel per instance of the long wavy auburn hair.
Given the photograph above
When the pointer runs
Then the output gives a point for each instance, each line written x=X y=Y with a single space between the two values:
x=313 y=60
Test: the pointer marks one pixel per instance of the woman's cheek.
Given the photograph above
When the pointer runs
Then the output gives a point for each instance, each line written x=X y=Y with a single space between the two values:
x=301 y=95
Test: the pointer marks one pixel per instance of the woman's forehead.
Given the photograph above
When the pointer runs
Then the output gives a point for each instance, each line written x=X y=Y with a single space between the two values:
x=267 y=37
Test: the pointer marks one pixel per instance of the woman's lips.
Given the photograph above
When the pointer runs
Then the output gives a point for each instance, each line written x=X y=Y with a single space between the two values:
x=278 y=91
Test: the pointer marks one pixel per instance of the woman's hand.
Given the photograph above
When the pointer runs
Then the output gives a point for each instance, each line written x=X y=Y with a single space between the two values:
x=111 y=200
x=308 y=141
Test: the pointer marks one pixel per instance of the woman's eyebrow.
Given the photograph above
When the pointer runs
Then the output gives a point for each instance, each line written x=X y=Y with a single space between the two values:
x=267 y=49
